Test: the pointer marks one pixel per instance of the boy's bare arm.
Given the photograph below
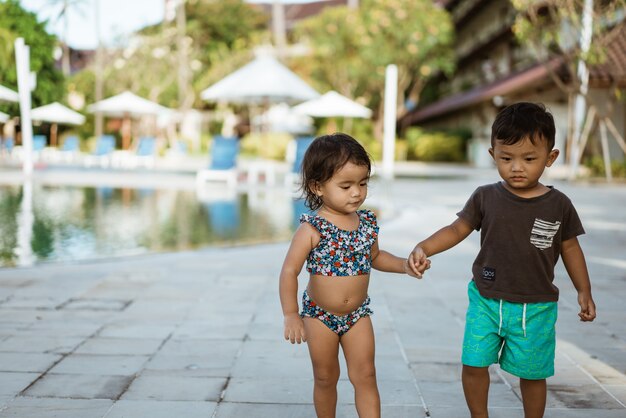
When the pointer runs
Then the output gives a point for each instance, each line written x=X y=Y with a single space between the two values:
x=442 y=240
x=576 y=267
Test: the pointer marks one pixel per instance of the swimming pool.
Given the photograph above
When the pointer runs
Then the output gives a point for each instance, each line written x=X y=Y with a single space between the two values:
x=43 y=223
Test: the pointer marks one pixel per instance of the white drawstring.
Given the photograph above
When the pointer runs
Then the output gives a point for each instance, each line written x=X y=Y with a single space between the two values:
x=524 y=321
x=500 y=327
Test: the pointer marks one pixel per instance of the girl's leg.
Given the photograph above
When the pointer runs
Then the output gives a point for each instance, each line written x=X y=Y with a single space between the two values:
x=534 y=397
x=358 y=348
x=476 y=389
x=324 y=351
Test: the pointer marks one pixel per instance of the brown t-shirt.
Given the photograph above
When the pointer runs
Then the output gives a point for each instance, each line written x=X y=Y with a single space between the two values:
x=520 y=241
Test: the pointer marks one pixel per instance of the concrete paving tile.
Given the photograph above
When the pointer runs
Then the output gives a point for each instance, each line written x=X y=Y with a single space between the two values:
x=11 y=384
x=26 y=407
x=255 y=349
x=4 y=401
x=200 y=347
x=270 y=390
x=45 y=303
x=451 y=395
x=148 y=310
x=78 y=386
x=40 y=344
x=213 y=330
x=265 y=410
x=205 y=365
x=161 y=409
x=63 y=327
x=274 y=366
x=437 y=372
x=155 y=387
x=434 y=354
x=619 y=392
x=119 y=346
x=100 y=364
x=463 y=412
x=27 y=362
x=390 y=367
x=580 y=397
x=584 y=413
x=288 y=390
x=138 y=330
x=86 y=304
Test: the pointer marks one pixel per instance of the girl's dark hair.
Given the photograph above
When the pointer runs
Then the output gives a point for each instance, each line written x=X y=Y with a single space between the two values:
x=324 y=157
x=523 y=120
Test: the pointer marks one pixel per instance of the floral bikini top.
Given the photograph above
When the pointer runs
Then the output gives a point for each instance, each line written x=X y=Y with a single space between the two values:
x=341 y=252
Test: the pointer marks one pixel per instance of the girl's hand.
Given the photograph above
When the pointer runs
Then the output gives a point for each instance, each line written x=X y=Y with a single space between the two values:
x=294 y=328
x=416 y=271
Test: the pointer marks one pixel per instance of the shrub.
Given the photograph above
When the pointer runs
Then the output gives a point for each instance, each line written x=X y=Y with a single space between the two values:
x=271 y=145
x=435 y=145
x=596 y=165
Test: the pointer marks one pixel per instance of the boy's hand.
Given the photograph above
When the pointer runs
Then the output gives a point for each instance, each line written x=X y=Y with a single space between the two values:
x=587 y=307
x=418 y=262
x=294 y=328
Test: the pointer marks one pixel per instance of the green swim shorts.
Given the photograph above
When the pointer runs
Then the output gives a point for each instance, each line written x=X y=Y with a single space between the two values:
x=519 y=336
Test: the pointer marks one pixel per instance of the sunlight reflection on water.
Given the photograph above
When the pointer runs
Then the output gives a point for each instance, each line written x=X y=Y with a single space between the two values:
x=80 y=223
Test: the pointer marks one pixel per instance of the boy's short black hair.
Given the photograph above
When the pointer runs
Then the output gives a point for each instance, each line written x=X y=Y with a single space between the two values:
x=523 y=120
x=324 y=157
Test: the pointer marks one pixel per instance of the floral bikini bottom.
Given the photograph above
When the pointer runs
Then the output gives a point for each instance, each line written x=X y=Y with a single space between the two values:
x=339 y=324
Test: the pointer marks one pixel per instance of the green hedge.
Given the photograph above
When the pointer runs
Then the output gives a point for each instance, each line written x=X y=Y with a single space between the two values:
x=596 y=164
x=443 y=146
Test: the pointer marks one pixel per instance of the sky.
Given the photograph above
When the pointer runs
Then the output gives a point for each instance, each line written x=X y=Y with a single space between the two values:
x=118 y=18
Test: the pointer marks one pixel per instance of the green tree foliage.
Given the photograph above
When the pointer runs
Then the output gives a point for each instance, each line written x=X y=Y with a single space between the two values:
x=215 y=25
x=352 y=47
x=551 y=29
x=16 y=22
x=216 y=34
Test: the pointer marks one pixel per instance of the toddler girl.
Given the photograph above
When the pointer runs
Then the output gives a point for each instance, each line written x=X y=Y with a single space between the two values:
x=340 y=246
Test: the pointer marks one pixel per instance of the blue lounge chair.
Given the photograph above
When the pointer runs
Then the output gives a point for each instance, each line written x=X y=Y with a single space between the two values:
x=105 y=145
x=70 y=144
x=69 y=150
x=145 y=153
x=301 y=145
x=223 y=166
x=7 y=146
x=39 y=143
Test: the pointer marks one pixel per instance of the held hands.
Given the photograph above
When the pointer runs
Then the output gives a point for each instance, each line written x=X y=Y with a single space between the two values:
x=587 y=307
x=294 y=328
x=418 y=262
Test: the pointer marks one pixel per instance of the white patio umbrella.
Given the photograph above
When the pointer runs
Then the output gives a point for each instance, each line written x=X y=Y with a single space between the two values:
x=8 y=95
x=126 y=105
x=333 y=104
x=4 y=117
x=261 y=81
x=55 y=113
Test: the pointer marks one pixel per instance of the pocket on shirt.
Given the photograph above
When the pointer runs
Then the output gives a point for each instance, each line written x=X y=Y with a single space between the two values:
x=543 y=232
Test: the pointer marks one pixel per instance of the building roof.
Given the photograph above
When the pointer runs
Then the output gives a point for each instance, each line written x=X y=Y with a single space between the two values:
x=610 y=72
x=533 y=76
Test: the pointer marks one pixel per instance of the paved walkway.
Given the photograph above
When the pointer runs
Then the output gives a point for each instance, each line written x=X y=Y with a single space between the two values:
x=199 y=334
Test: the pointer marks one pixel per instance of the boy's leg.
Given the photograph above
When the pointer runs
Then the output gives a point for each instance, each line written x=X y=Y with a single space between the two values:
x=324 y=351
x=476 y=390
x=481 y=344
x=533 y=397
x=358 y=348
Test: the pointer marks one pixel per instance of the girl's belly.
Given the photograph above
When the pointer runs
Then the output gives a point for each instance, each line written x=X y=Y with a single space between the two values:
x=339 y=295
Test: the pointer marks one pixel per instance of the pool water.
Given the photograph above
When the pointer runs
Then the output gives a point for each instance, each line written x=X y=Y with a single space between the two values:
x=41 y=223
